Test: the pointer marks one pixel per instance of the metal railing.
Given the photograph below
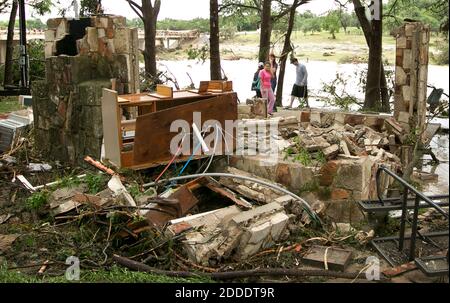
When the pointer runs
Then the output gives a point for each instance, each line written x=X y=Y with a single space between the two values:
x=418 y=198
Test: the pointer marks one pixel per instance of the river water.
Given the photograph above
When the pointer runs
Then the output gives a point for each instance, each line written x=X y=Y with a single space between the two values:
x=319 y=72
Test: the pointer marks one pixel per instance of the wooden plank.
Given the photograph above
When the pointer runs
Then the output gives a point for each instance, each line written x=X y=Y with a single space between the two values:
x=111 y=127
x=164 y=90
x=153 y=136
x=127 y=158
x=228 y=86
x=203 y=88
x=129 y=125
x=216 y=85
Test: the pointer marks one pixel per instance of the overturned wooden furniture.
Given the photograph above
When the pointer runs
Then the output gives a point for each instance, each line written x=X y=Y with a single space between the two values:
x=145 y=141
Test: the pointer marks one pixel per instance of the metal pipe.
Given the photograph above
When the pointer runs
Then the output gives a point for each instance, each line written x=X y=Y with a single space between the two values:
x=412 y=249
x=306 y=206
x=403 y=220
x=415 y=191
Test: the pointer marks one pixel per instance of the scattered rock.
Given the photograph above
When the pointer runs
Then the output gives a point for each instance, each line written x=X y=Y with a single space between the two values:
x=331 y=152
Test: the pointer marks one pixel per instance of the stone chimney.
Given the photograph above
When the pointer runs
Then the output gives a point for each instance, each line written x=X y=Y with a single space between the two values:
x=82 y=56
x=411 y=73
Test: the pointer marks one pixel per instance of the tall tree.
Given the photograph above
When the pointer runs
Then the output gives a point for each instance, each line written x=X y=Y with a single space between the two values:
x=214 y=44
x=148 y=12
x=373 y=88
x=90 y=7
x=360 y=12
x=287 y=48
x=265 y=31
x=40 y=7
x=8 y=78
x=271 y=11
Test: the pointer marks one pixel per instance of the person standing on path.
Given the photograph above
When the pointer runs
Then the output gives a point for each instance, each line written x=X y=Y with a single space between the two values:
x=300 y=87
x=273 y=68
x=256 y=83
x=265 y=77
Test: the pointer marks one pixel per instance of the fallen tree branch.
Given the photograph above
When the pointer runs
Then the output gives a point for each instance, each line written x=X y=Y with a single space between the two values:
x=138 y=266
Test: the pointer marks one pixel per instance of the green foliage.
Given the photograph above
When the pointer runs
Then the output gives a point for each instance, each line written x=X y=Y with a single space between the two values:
x=9 y=104
x=311 y=25
x=200 y=24
x=37 y=200
x=135 y=22
x=31 y=24
x=67 y=181
x=200 y=54
x=41 y=7
x=134 y=190
x=304 y=157
x=331 y=23
x=227 y=32
x=37 y=62
x=115 y=274
x=95 y=182
x=426 y=11
x=340 y=96
x=320 y=157
x=243 y=18
x=298 y=153
x=89 y=7
x=441 y=57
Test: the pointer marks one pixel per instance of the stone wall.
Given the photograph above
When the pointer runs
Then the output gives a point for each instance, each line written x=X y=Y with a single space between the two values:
x=411 y=73
x=67 y=104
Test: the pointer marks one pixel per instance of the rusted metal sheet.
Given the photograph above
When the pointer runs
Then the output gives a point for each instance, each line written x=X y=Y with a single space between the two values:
x=396 y=271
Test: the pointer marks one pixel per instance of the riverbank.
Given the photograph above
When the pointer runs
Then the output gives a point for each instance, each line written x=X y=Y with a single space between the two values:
x=348 y=47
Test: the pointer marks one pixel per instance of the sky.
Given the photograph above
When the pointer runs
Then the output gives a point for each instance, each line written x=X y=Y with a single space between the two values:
x=176 y=9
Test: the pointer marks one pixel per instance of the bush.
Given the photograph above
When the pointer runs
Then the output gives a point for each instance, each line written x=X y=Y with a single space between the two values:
x=441 y=58
x=37 y=62
x=37 y=200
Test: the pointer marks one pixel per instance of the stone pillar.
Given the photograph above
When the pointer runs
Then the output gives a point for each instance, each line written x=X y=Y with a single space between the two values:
x=411 y=73
x=82 y=56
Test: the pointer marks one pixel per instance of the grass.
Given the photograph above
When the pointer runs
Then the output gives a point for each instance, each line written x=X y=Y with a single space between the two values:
x=37 y=200
x=116 y=274
x=346 y=48
x=9 y=104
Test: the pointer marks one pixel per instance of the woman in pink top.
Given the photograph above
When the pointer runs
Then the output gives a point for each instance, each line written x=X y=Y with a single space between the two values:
x=265 y=76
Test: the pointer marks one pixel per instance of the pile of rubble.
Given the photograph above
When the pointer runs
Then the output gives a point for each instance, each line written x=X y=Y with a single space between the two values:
x=349 y=141
x=216 y=220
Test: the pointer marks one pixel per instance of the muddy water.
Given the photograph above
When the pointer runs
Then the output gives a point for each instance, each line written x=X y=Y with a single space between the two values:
x=319 y=72
x=440 y=147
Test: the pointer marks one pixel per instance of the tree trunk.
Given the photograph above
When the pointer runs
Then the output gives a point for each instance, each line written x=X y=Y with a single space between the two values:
x=214 y=44
x=385 y=106
x=8 y=79
x=287 y=48
x=266 y=31
x=367 y=30
x=150 y=16
x=373 y=90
